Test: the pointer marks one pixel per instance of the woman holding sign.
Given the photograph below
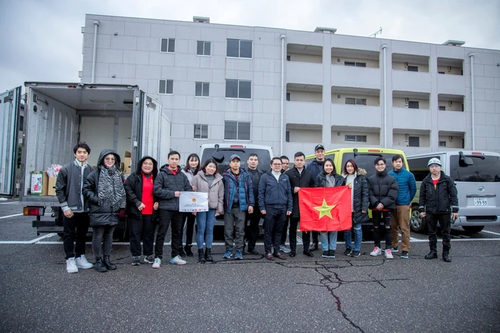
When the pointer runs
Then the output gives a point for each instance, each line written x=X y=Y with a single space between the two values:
x=208 y=180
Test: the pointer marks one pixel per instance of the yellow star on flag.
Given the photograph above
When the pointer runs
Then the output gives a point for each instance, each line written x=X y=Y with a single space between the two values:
x=325 y=210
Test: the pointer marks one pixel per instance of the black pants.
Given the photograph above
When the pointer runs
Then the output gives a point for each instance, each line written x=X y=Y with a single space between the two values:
x=444 y=223
x=75 y=228
x=141 y=228
x=168 y=217
x=274 y=220
x=383 y=219
x=190 y=219
x=294 y=222
x=102 y=239
x=285 y=227
x=252 y=231
x=315 y=235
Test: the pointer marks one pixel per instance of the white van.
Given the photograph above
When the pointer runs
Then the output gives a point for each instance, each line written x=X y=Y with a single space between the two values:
x=477 y=176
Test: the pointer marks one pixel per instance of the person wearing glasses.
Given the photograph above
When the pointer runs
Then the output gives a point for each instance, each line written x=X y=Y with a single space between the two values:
x=383 y=191
x=106 y=194
x=275 y=203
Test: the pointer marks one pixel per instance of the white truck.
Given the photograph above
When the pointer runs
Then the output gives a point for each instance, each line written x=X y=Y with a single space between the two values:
x=59 y=115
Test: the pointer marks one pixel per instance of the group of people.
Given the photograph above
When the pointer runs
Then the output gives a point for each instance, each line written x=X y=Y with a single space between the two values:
x=93 y=198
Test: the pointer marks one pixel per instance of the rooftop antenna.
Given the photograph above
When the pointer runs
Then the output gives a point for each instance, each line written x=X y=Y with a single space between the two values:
x=378 y=32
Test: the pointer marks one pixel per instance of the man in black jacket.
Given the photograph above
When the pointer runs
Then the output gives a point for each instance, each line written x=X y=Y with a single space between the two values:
x=75 y=207
x=299 y=177
x=252 y=231
x=315 y=167
x=438 y=198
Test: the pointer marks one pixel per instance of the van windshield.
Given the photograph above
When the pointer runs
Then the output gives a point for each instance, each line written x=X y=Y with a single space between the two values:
x=365 y=161
x=483 y=169
x=264 y=157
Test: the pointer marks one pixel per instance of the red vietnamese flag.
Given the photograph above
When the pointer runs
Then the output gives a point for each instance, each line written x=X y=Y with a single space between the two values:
x=325 y=208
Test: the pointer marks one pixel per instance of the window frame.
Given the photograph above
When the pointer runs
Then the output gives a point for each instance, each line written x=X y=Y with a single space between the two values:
x=356 y=100
x=203 y=84
x=355 y=64
x=238 y=89
x=412 y=68
x=356 y=138
x=413 y=138
x=239 y=48
x=201 y=127
x=238 y=122
x=204 y=48
x=410 y=103
x=168 y=45
x=166 y=87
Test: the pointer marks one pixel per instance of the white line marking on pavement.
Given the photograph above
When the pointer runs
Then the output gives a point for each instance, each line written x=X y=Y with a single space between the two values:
x=491 y=232
x=6 y=217
x=33 y=241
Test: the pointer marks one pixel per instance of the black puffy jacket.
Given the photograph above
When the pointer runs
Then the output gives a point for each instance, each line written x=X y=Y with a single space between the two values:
x=166 y=184
x=133 y=188
x=383 y=189
x=321 y=180
x=360 y=197
x=440 y=199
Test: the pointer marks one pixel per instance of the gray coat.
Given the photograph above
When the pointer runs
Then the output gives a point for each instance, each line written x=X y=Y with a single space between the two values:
x=215 y=191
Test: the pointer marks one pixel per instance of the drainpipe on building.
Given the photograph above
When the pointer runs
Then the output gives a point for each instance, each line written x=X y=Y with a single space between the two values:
x=94 y=51
x=282 y=104
x=384 y=49
x=473 y=109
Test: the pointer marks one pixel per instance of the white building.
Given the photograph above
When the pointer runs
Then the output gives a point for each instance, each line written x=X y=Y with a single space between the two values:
x=295 y=89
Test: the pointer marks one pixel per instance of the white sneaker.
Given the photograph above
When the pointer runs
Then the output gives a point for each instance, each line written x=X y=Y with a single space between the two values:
x=376 y=252
x=71 y=265
x=388 y=254
x=177 y=260
x=285 y=249
x=157 y=263
x=83 y=263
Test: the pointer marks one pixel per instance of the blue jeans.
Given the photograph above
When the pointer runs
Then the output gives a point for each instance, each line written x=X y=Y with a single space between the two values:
x=205 y=222
x=329 y=240
x=358 y=236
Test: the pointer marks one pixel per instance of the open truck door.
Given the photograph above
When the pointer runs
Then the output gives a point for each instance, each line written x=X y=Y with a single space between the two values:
x=9 y=128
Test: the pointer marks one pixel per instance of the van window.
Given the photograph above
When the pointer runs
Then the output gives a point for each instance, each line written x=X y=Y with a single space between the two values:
x=365 y=161
x=264 y=157
x=483 y=169
x=418 y=166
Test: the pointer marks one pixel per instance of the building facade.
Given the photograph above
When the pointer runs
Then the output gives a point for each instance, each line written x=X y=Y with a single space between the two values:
x=294 y=89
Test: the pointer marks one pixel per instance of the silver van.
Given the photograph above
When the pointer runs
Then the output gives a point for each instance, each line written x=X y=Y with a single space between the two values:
x=477 y=177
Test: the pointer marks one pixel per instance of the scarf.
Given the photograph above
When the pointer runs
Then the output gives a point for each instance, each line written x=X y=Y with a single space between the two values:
x=110 y=187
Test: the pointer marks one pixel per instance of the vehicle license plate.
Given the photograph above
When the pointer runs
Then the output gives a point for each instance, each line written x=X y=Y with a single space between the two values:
x=480 y=202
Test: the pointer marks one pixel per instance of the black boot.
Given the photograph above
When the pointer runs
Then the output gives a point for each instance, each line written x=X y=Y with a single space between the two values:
x=201 y=257
x=99 y=265
x=187 y=248
x=208 y=255
x=446 y=254
x=431 y=255
x=109 y=265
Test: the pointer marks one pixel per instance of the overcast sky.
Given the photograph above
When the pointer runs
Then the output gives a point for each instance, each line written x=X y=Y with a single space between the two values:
x=42 y=40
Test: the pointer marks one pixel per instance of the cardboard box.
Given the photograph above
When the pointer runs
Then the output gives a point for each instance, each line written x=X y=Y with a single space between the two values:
x=39 y=183
x=127 y=165
x=51 y=188
x=127 y=154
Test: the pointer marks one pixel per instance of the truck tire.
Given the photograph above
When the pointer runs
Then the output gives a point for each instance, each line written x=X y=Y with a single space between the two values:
x=417 y=223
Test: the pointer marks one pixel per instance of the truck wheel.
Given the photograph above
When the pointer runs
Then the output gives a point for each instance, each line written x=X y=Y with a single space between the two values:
x=473 y=229
x=417 y=223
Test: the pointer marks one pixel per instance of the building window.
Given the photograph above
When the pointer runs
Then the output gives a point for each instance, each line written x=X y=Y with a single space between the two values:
x=413 y=141
x=200 y=131
x=288 y=96
x=238 y=89
x=442 y=143
x=167 y=45
x=166 y=87
x=203 y=48
x=202 y=89
x=412 y=68
x=355 y=138
x=413 y=105
x=288 y=58
x=354 y=64
x=441 y=73
x=239 y=48
x=287 y=136
x=355 y=101
x=237 y=130
x=442 y=108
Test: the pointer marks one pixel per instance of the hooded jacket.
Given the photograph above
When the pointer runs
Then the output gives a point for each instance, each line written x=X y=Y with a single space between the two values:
x=297 y=179
x=276 y=193
x=360 y=196
x=383 y=189
x=133 y=188
x=166 y=184
x=440 y=199
x=103 y=211
x=215 y=191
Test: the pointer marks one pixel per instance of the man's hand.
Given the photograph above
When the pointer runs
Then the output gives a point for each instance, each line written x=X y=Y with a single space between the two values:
x=454 y=216
x=263 y=212
x=422 y=214
x=288 y=213
x=380 y=206
x=156 y=205
x=69 y=213
x=177 y=194
x=250 y=209
x=296 y=189
x=141 y=207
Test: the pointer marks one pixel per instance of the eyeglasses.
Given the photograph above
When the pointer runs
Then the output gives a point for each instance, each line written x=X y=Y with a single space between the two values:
x=109 y=159
x=380 y=164
x=277 y=164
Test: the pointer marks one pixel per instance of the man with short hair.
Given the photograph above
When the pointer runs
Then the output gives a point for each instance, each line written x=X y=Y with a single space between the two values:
x=275 y=202
x=75 y=207
x=316 y=167
x=238 y=199
x=407 y=187
x=285 y=163
x=167 y=188
x=252 y=232
x=438 y=198
x=299 y=177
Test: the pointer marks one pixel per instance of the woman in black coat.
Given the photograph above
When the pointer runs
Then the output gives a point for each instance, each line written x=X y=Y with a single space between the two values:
x=104 y=190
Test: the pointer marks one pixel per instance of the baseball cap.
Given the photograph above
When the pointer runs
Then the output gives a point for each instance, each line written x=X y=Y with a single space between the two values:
x=434 y=160
x=320 y=146
x=234 y=156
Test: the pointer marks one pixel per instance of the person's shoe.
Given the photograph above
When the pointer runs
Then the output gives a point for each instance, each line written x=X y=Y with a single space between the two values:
x=109 y=265
x=388 y=254
x=395 y=249
x=136 y=260
x=181 y=251
x=71 y=266
x=376 y=251
x=293 y=254
x=279 y=256
x=228 y=254
x=325 y=254
x=313 y=247
x=308 y=253
x=156 y=263
x=238 y=255
x=208 y=255
x=446 y=257
x=177 y=260
x=99 y=265
x=431 y=255
x=285 y=249
x=355 y=254
x=201 y=256
x=348 y=251
x=253 y=251
x=149 y=259
x=269 y=256
x=82 y=262
x=331 y=254
x=187 y=248
x=405 y=255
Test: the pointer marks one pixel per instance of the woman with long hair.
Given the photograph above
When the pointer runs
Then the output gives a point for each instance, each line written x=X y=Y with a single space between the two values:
x=190 y=170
